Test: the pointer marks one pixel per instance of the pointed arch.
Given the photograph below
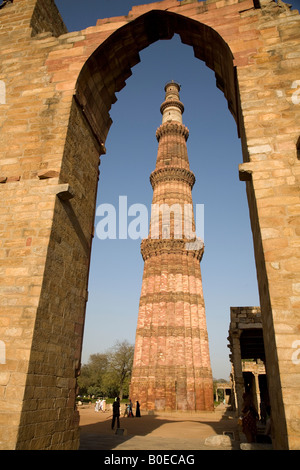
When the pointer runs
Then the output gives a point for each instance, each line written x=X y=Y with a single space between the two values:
x=106 y=70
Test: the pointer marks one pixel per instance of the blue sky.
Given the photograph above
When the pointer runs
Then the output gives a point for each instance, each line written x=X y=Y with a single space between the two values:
x=228 y=266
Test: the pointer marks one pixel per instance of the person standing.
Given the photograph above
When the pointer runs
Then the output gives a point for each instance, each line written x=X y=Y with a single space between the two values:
x=130 y=409
x=250 y=417
x=116 y=413
x=97 y=405
x=137 y=410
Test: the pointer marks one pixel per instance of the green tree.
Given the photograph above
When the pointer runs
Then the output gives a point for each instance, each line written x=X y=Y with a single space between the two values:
x=120 y=359
x=109 y=373
x=91 y=376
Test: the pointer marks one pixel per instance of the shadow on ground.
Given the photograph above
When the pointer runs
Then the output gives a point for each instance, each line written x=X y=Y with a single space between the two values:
x=159 y=432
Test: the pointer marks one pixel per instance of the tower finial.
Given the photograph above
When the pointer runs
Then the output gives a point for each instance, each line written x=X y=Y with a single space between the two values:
x=172 y=108
x=172 y=82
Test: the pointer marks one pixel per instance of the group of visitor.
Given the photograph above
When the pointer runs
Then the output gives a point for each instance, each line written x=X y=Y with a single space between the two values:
x=100 y=405
x=128 y=411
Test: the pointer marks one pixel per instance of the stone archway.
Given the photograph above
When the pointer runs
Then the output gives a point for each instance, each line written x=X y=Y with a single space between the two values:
x=99 y=78
x=58 y=96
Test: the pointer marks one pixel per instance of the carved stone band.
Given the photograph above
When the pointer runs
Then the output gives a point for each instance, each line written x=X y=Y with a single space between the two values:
x=184 y=331
x=172 y=174
x=156 y=374
x=172 y=297
x=167 y=103
x=153 y=247
x=172 y=127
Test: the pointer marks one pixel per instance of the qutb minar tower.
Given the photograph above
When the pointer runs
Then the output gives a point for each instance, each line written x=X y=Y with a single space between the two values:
x=171 y=368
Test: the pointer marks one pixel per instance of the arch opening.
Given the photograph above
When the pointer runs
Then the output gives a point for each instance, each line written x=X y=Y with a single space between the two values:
x=149 y=167
x=105 y=73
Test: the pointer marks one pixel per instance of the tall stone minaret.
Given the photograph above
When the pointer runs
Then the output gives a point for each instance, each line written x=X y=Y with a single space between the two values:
x=171 y=368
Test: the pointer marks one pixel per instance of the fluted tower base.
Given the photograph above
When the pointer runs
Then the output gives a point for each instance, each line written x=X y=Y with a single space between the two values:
x=172 y=365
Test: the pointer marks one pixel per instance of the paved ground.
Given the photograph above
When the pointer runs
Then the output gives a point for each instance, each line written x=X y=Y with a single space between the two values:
x=173 y=431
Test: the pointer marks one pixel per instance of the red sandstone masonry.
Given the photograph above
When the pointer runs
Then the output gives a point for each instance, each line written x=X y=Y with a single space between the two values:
x=173 y=350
